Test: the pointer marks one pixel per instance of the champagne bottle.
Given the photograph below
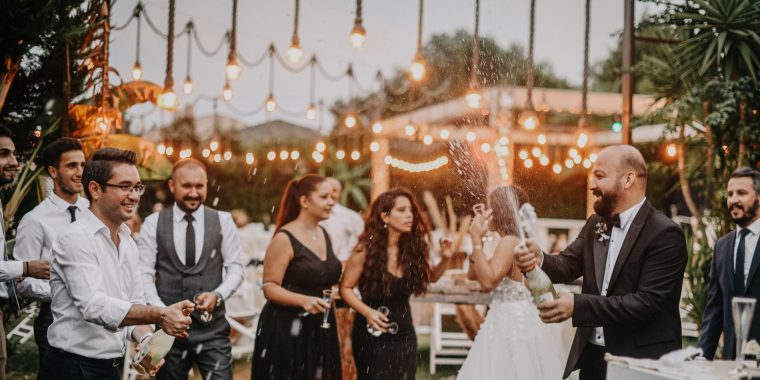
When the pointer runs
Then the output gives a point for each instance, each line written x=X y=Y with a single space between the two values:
x=157 y=346
x=540 y=286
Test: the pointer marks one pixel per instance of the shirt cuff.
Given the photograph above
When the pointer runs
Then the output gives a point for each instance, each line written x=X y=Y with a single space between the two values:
x=14 y=269
x=120 y=310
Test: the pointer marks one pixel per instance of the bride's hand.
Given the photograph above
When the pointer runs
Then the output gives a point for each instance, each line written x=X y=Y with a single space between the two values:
x=479 y=224
x=377 y=320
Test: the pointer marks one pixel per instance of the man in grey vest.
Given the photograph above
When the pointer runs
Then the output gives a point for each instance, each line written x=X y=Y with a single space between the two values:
x=185 y=248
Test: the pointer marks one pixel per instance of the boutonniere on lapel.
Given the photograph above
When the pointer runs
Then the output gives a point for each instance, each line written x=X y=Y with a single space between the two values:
x=602 y=232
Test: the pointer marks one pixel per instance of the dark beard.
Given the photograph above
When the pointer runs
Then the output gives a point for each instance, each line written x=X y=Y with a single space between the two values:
x=749 y=215
x=182 y=206
x=606 y=203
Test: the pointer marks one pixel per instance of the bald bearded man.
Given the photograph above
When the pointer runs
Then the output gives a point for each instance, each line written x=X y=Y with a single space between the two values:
x=632 y=259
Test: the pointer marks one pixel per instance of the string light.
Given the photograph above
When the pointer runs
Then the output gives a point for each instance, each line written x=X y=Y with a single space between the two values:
x=416 y=168
x=271 y=104
x=187 y=87
x=232 y=70
x=471 y=136
x=523 y=154
x=217 y=157
x=284 y=155
x=358 y=34
x=409 y=130
x=294 y=155
x=473 y=98
x=214 y=145
x=556 y=168
x=320 y=147
x=427 y=140
x=249 y=158
x=536 y=152
x=587 y=163
x=340 y=154
x=206 y=152
x=377 y=127
x=543 y=160
x=577 y=159
x=318 y=157
x=528 y=163
x=294 y=51
x=572 y=152
x=227 y=92
x=311 y=113
x=350 y=121
x=529 y=119
x=671 y=150
x=161 y=148
x=137 y=71
x=444 y=134
x=185 y=153
x=417 y=69
x=485 y=147
x=542 y=139
x=592 y=157
x=168 y=99
x=569 y=163
x=169 y=150
x=355 y=155
x=504 y=140
x=271 y=155
x=227 y=155
x=582 y=138
x=374 y=146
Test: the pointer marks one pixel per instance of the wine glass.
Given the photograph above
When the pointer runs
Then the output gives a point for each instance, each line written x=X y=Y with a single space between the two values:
x=327 y=297
x=392 y=328
x=384 y=311
x=742 y=309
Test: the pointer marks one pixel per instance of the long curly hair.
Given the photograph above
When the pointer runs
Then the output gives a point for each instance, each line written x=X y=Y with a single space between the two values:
x=413 y=249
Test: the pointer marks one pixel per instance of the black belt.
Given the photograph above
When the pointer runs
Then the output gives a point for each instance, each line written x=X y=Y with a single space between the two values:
x=115 y=362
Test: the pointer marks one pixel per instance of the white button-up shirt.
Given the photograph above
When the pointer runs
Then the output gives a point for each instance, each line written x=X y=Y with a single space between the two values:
x=750 y=243
x=9 y=270
x=94 y=284
x=35 y=235
x=617 y=237
x=344 y=227
x=148 y=248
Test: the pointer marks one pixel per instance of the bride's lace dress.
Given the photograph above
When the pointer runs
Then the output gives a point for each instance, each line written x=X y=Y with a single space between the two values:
x=513 y=343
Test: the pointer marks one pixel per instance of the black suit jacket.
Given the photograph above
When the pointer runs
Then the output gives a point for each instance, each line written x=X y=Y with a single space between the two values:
x=717 y=315
x=640 y=313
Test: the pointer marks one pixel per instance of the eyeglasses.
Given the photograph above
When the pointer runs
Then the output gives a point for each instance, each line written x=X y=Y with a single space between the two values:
x=139 y=189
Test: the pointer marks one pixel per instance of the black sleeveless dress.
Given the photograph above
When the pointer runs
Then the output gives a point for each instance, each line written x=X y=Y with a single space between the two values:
x=387 y=356
x=289 y=345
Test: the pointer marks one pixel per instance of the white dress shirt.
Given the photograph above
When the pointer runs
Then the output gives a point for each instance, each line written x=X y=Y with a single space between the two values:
x=94 y=284
x=750 y=243
x=35 y=235
x=617 y=237
x=344 y=227
x=9 y=270
x=148 y=247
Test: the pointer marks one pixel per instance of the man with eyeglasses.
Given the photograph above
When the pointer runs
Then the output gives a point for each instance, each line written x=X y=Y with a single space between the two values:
x=38 y=229
x=97 y=302
x=187 y=247
x=11 y=271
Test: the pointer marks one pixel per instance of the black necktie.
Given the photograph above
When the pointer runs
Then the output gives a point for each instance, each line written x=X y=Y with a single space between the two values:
x=739 y=267
x=73 y=211
x=190 y=242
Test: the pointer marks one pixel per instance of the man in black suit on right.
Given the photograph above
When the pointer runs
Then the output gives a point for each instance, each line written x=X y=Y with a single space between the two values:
x=736 y=249
x=632 y=259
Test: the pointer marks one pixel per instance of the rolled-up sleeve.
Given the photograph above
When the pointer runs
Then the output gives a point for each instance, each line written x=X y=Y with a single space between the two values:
x=11 y=270
x=75 y=259
x=29 y=246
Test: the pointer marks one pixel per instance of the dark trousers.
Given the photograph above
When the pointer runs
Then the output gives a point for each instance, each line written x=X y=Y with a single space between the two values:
x=60 y=365
x=213 y=355
x=592 y=364
x=41 y=323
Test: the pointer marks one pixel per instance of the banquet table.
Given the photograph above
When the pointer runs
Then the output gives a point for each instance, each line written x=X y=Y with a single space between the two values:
x=633 y=369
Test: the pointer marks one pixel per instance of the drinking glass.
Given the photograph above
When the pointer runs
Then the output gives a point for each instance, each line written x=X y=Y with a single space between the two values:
x=327 y=297
x=742 y=309
x=384 y=311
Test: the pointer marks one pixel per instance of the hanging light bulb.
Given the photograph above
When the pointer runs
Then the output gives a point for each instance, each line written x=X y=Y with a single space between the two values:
x=169 y=150
x=470 y=136
x=294 y=155
x=473 y=98
x=271 y=104
x=227 y=92
x=377 y=127
x=206 y=152
x=358 y=35
x=232 y=70
x=671 y=150
x=284 y=155
x=444 y=134
x=137 y=71
x=374 y=146
x=214 y=145
x=217 y=157
x=427 y=140
x=271 y=156
x=529 y=119
x=340 y=154
x=188 y=85
x=161 y=148
x=355 y=155
x=311 y=113
x=556 y=168
x=582 y=138
x=418 y=70
x=294 y=51
x=249 y=158
x=168 y=99
x=320 y=147
x=350 y=121
x=227 y=155
x=410 y=130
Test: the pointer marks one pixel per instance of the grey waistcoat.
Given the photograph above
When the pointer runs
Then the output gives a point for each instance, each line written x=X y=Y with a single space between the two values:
x=176 y=282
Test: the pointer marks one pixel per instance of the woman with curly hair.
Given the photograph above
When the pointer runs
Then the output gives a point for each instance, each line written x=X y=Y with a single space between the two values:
x=299 y=264
x=389 y=264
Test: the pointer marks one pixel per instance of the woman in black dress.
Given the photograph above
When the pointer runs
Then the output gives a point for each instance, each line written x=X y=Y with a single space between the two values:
x=299 y=264
x=389 y=264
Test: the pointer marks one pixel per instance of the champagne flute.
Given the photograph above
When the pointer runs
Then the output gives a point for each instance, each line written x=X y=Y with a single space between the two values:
x=327 y=297
x=743 y=309
x=384 y=311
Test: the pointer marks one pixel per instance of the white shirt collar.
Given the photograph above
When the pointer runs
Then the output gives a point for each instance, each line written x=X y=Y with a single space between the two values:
x=96 y=225
x=628 y=215
x=60 y=203
x=179 y=214
x=754 y=228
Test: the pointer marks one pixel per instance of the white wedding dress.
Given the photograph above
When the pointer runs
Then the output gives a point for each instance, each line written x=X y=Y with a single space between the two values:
x=513 y=343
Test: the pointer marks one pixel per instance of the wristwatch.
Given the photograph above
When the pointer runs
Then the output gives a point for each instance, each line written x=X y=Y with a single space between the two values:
x=219 y=299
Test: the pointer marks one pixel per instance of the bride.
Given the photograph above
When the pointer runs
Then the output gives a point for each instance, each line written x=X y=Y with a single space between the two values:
x=512 y=343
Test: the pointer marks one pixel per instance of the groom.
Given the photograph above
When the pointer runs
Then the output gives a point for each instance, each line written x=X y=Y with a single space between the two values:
x=632 y=259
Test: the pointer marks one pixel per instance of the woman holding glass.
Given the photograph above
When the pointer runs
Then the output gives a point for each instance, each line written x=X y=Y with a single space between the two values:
x=389 y=264
x=292 y=340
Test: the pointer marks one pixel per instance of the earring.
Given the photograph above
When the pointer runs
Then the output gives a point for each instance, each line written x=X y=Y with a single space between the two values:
x=385 y=225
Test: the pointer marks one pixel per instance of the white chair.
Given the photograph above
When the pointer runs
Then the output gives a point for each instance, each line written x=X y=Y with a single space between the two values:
x=446 y=347
x=24 y=330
